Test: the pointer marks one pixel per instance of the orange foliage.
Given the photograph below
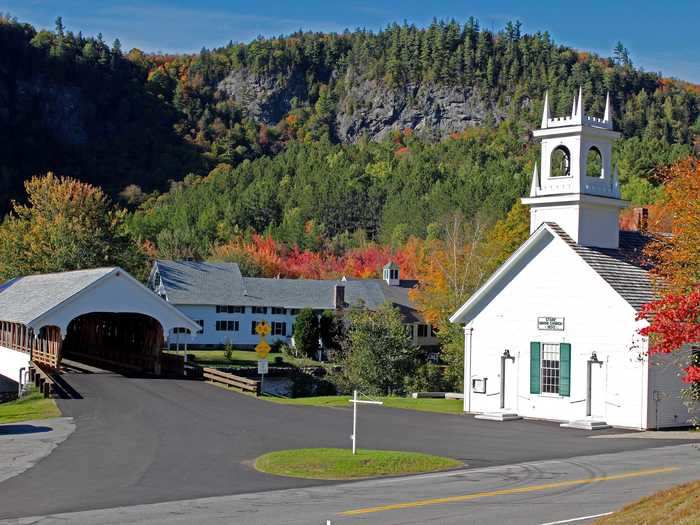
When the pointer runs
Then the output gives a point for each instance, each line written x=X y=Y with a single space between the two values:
x=657 y=220
x=678 y=257
x=674 y=319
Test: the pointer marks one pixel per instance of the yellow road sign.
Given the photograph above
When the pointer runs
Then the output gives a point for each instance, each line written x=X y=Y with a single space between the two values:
x=262 y=349
x=262 y=329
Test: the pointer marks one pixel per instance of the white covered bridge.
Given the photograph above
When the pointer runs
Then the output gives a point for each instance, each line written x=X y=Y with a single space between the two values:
x=101 y=316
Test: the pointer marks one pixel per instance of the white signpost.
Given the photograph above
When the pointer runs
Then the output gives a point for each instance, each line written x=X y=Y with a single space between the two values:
x=262 y=370
x=356 y=402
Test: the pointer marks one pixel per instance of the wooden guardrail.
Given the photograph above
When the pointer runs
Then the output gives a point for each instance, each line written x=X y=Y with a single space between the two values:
x=41 y=379
x=242 y=383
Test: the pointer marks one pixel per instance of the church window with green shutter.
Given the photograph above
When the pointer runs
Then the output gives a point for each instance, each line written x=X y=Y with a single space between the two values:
x=550 y=368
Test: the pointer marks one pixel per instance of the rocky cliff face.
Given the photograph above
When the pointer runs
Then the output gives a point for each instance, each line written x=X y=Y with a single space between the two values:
x=368 y=107
x=374 y=109
x=264 y=98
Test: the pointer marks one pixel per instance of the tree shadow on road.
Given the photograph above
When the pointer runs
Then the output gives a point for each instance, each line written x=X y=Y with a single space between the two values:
x=14 y=430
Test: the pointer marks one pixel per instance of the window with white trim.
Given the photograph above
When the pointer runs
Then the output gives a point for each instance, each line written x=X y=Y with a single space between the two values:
x=200 y=322
x=550 y=368
x=259 y=309
x=229 y=309
x=279 y=311
x=279 y=328
x=423 y=330
x=226 y=326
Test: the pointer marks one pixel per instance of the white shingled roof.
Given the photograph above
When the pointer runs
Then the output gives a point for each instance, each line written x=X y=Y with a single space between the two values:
x=24 y=299
x=57 y=298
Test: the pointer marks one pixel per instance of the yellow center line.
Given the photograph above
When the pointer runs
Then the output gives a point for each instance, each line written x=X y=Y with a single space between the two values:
x=506 y=492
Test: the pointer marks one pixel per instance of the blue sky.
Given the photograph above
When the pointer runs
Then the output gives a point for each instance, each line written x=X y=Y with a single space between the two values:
x=661 y=36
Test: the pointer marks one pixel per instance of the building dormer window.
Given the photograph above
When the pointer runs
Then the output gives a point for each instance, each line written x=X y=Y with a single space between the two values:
x=390 y=273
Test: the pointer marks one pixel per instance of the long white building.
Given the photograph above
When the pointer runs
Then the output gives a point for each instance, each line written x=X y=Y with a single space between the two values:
x=553 y=333
x=227 y=305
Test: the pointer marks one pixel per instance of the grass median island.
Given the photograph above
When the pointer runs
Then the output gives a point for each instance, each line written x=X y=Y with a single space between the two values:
x=31 y=406
x=677 y=506
x=339 y=464
x=440 y=405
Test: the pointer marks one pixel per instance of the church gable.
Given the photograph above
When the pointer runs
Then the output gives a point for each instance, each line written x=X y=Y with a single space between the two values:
x=545 y=271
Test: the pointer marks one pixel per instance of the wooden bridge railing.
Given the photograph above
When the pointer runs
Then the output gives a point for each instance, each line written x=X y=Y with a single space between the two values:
x=44 y=348
x=242 y=383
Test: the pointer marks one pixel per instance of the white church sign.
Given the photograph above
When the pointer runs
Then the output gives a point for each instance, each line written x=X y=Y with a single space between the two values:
x=550 y=323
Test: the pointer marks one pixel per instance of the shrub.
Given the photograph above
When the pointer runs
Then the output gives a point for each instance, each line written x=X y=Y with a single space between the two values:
x=228 y=351
x=306 y=333
x=305 y=385
x=379 y=353
x=291 y=351
x=330 y=330
x=427 y=378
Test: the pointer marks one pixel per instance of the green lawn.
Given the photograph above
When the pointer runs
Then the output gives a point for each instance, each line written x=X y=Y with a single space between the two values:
x=242 y=358
x=336 y=463
x=32 y=406
x=444 y=406
x=676 y=506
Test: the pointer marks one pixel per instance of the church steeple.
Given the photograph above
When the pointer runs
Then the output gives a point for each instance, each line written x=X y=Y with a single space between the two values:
x=576 y=187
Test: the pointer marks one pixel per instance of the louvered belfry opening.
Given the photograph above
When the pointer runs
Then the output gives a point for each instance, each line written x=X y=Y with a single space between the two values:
x=121 y=341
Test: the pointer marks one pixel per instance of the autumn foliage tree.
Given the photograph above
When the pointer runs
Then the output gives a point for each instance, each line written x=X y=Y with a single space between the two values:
x=65 y=225
x=674 y=319
x=454 y=264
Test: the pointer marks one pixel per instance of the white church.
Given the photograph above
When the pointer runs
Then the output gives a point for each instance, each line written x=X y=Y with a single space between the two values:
x=553 y=332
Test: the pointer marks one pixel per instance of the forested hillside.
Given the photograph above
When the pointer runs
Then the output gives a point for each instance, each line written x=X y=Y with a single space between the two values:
x=314 y=136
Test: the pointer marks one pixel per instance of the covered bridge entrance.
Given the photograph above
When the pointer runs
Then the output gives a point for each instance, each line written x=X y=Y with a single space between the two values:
x=102 y=316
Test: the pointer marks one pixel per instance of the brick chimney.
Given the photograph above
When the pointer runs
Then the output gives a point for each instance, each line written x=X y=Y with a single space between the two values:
x=339 y=296
x=641 y=219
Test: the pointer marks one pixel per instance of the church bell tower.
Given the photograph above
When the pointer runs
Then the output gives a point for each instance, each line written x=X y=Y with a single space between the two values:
x=576 y=186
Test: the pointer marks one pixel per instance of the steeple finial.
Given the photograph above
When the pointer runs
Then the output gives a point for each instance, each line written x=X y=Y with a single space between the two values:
x=608 y=109
x=579 y=107
x=615 y=183
x=573 y=106
x=546 y=113
x=534 y=188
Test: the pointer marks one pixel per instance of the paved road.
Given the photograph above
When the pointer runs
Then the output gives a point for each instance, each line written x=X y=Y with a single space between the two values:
x=559 y=491
x=24 y=444
x=143 y=441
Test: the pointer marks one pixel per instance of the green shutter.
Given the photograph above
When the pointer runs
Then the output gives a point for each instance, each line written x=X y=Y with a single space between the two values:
x=534 y=368
x=565 y=369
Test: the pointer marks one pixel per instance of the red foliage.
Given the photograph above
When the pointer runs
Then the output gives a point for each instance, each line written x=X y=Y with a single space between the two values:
x=692 y=374
x=674 y=321
x=277 y=259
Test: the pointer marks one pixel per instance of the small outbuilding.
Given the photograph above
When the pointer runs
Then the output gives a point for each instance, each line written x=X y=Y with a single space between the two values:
x=103 y=316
